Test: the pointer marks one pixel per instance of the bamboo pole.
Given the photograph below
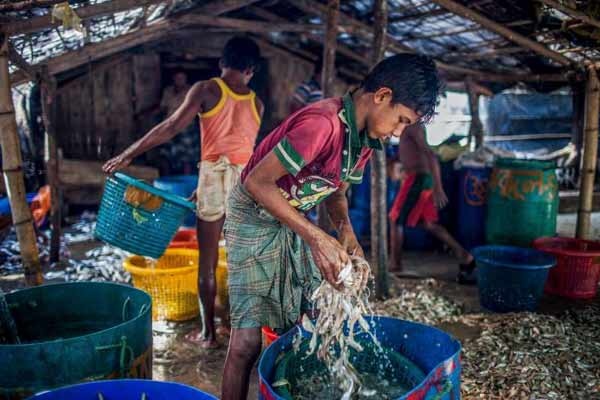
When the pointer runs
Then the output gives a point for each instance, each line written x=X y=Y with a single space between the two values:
x=572 y=13
x=52 y=159
x=379 y=226
x=248 y=25
x=476 y=127
x=509 y=34
x=590 y=154
x=329 y=49
x=327 y=79
x=13 y=175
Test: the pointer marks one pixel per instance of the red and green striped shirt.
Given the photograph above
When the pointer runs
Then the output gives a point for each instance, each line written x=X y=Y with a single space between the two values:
x=320 y=147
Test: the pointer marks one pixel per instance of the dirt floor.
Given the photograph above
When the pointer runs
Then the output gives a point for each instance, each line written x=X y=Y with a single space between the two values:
x=177 y=360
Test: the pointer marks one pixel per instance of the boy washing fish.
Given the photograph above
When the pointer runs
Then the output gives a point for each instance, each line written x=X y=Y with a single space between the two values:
x=230 y=115
x=276 y=256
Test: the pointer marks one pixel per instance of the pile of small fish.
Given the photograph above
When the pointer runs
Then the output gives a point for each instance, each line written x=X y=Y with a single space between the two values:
x=102 y=264
x=420 y=304
x=337 y=308
x=82 y=230
x=10 y=253
x=533 y=356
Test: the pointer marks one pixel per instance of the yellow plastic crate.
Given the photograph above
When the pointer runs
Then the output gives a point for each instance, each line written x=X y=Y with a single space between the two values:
x=171 y=281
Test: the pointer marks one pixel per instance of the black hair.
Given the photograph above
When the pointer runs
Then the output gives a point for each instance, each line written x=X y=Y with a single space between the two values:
x=241 y=53
x=413 y=79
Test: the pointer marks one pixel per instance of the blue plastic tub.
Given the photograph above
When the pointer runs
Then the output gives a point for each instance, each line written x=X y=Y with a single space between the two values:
x=181 y=185
x=435 y=352
x=470 y=230
x=5 y=204
x=143 y=229
x=125 y=389
x=511 y=278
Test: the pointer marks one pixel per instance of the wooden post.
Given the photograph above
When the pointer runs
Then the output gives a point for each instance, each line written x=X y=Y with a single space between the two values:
x=328 y=73
x=13 y=175
x=476 y=127
x=379 y=225
x=590 y=153
x=328 y=78
x=51 y=158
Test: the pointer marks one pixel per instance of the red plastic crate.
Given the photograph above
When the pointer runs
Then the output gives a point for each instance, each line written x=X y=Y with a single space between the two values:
x=185 y=238
x=577 y=272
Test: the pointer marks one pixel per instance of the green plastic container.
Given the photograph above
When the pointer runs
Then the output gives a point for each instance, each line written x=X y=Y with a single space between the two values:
x=522 y=202
x=76 y=332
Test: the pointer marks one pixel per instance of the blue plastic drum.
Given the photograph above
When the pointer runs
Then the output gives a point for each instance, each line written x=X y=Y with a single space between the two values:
x=472 y=196
x=181 y=185
x=434 y=352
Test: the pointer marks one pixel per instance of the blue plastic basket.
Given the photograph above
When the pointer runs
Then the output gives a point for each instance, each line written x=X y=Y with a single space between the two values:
x=136 y=229
x=181 y=185
x=129 y=389
x=511 y=278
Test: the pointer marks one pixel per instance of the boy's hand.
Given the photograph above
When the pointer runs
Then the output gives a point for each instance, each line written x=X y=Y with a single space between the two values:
x=117 y=163
x=439 y=198
x=330 y=257
x=350 y=243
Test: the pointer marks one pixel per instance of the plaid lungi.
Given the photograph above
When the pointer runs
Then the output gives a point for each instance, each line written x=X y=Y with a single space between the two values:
x=271 y=270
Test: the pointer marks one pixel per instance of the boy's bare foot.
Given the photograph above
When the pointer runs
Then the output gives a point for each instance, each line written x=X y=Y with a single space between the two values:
x=196 y=337
x=467 y=274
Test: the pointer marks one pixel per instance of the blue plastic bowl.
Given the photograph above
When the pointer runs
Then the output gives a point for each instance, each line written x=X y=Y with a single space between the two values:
x=511 y=278
x=125 y=389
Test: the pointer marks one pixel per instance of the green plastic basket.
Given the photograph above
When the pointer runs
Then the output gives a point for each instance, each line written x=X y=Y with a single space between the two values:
x=140 y=227
x=292 y=366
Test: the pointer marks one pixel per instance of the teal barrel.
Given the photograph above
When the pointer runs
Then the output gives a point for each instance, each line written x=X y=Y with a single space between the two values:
x=522 y=202
x=76 y=332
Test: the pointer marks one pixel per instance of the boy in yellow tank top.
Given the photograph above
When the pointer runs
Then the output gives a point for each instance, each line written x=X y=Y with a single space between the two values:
x=230 y=115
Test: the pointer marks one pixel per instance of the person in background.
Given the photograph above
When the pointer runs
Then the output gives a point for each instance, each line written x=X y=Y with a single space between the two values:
x=182 y=153
x=420 y=197
x=276 y=256
x=174 y=95
x=230 y=115
x=309 y=91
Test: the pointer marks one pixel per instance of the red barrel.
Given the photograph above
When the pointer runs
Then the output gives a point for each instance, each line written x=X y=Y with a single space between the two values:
x=577 y=272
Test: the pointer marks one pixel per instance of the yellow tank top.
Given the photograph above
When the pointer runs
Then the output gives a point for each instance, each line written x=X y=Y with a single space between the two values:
x=230 y=127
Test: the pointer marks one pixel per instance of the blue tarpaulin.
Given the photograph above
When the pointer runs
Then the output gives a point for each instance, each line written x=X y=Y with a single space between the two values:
x=529 y=114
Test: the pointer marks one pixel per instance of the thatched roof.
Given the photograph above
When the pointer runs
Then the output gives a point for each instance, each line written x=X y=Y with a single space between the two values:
x=543 y=42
